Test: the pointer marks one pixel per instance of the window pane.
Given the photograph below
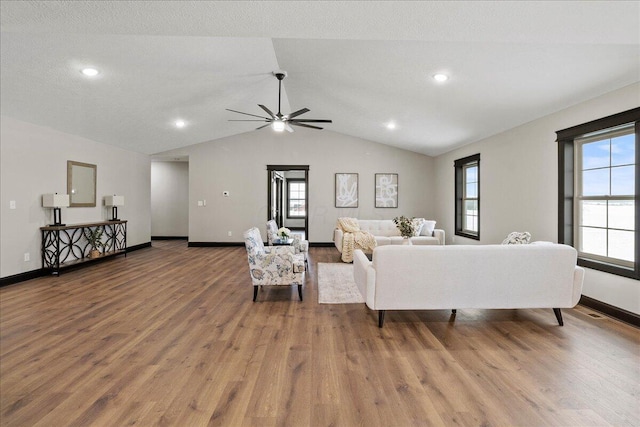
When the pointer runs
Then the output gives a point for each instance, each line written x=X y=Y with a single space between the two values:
x=621 y=244
x=471 y=207
x=593 y=213
x=623 y=150
x=471 y=174
x=472 y=190
x=471 y=223
x=595 y=182
x=593 y=241
x=621 y=214
x=595 y=154
x=622 y=181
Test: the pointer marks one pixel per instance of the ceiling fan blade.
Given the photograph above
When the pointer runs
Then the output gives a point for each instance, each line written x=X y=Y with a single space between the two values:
x=273 y=116
x=288 y=128
x=247 y=114
x=297 y=113
x=263 y=126
x=310 y=121
x=304 y=126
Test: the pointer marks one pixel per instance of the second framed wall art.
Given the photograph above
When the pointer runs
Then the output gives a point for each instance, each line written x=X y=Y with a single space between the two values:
x=386 y=190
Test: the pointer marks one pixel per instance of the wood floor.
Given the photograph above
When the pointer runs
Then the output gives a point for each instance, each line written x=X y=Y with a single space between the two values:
x=169 y=336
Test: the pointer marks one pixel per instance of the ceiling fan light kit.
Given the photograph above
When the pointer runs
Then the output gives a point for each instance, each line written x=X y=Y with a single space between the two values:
x=280 y=122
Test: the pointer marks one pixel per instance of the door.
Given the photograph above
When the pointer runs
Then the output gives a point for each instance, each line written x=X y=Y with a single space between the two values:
x=277 y=197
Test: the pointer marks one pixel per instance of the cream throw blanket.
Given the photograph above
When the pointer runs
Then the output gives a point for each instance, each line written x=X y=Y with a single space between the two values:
x=354 y=238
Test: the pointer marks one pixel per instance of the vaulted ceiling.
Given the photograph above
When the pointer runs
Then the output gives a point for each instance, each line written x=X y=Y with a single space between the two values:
x=362 y=64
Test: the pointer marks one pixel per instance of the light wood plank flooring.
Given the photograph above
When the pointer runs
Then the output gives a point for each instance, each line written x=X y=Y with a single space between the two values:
x=169 y=336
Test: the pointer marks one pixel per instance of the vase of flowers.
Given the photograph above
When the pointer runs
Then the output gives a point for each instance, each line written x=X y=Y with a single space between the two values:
x=283 y=233
x=405 y=225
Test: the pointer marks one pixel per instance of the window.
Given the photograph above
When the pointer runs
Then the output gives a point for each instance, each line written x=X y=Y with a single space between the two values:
x=467 y=196
x=598 y=203
x=296 y=198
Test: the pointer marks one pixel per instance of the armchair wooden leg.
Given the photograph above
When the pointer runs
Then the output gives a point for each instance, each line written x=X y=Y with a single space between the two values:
x=300 y=292
x=454 y=311
x=380 y=318
x=558 y=314
x=255 y=293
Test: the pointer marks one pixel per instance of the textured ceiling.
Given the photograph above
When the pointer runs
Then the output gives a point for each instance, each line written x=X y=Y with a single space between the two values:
x=361 y=64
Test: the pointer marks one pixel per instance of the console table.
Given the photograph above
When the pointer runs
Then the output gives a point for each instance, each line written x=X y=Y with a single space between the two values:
x=67 y=245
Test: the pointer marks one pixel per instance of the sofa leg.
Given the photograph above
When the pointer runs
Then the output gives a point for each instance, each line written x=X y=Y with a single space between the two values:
x=255 y=293
x=558 y=314
x=380 y=318
x=300 y=292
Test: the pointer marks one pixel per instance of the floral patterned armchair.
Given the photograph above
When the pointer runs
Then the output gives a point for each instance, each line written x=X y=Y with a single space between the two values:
x=277 y=265
x=300 y=246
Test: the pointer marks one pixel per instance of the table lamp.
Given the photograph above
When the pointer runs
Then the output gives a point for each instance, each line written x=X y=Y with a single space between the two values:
x=56 y=201
x=114 y=201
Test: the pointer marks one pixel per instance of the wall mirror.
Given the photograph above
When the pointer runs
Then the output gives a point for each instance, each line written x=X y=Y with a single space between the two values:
x=81 y=184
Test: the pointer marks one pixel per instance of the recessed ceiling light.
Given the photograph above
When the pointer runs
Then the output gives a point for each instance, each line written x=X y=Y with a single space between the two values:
x=180 y=124
x=391 y=125
x=440 y=77
x=90 y=72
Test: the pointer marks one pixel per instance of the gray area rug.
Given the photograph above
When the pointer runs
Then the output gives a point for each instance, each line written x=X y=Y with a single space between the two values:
x=336 y=284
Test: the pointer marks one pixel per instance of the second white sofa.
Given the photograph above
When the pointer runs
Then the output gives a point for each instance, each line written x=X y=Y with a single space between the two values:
x=386 y=233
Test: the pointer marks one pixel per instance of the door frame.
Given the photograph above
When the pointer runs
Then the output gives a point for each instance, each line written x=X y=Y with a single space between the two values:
x=305 y=168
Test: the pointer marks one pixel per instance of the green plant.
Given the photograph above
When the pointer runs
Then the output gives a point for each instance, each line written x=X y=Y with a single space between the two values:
x=94 y=237
x=405 y=225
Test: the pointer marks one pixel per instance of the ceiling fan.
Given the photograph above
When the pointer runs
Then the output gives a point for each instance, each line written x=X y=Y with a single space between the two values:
x=280 y=122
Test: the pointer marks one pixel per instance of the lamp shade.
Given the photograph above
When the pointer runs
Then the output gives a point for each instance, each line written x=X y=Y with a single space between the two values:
x=114 y=200
x=55 y=200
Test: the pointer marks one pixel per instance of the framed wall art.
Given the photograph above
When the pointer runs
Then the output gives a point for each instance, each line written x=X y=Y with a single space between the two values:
x=386 y=190
x=346 y=186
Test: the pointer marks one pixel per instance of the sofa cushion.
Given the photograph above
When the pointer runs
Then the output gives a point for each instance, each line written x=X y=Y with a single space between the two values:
x=425 y=240
x=383 y=240
x=379 y=227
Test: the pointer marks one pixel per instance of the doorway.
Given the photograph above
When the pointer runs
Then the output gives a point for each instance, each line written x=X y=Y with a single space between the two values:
x=288 y=197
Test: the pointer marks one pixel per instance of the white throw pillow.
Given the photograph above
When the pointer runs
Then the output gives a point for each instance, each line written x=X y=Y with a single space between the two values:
x=427 y=228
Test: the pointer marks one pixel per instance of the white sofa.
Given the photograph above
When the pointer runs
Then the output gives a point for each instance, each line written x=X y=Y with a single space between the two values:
x=474 y=276
x=386 y=233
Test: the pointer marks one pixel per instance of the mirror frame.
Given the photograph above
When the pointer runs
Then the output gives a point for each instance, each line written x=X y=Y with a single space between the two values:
x=70 y=181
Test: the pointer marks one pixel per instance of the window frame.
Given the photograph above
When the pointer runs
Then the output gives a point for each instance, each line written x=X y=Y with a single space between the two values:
x=295 y=180
x=568 y=171
x=461 y=166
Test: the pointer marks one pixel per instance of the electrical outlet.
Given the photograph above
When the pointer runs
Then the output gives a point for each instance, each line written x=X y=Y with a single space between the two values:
x=229 y=234
x=27 y=257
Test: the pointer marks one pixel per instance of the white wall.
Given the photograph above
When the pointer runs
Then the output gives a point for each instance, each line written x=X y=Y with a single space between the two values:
x=238 y=164
x=33 y=162
x=518 y=186
x=169 y=199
